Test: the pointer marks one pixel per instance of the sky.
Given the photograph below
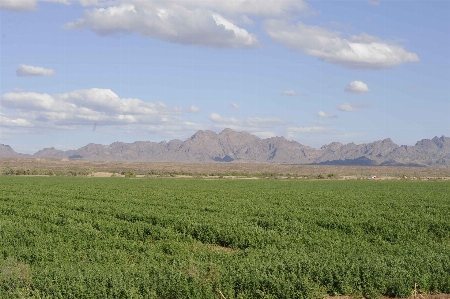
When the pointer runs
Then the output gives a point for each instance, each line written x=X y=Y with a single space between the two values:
x=74 y=72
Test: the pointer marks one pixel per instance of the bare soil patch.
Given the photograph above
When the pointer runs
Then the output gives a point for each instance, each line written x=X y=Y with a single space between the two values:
x=101 y=174
x=221 y=248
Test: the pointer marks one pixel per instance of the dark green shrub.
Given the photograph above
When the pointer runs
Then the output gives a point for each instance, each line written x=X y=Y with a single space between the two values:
x=129 y=174
x=8 y=171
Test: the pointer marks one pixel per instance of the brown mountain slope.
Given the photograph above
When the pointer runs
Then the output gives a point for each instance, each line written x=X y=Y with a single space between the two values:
x=7 y=152
x=232 y=146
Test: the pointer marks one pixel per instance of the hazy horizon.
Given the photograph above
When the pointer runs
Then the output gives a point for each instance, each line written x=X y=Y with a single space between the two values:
x=75 y=72
x=106 y=144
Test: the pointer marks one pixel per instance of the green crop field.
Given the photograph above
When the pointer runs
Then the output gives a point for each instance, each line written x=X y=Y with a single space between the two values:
x=191 y=238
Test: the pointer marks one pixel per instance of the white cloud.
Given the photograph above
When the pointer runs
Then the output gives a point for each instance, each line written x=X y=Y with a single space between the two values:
x=364 y=38
x=209 y=23
x=85 y=107
x=14 y=122
x=170 y=21
x=194 y=109
x=30 y=101
x=346 y=107
x=18 y=5
x=362 y=51
x=351 y=107
x=325 y=115
x=357 y=87
x=373 y=3
x=288 y=93
x=26 y=5
x=261 y=8
x=29 y=71
x=65 y=2
x=90 y=3
x=235 y=106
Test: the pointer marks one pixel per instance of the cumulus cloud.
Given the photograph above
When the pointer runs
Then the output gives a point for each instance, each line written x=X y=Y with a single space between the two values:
x=207 y=23
x=357 y=87
x=351 y=107
x=65 y=2
x=357 y=51
x=25 y=5
x=14 y=122
x=346 y=107
x=30 y=101
x=31 y=71
x=169 y=21
x=21 y=5
x=194 y=109
x=325 y=115
x=288 y=93
x=91 y=2
x=235 y=106
x=260 y=8
x=84 y=107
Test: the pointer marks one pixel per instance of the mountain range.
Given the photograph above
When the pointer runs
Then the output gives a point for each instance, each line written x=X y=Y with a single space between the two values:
x=231 y=146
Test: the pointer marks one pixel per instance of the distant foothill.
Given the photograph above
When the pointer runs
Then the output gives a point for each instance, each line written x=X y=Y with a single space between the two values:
x=230 y=146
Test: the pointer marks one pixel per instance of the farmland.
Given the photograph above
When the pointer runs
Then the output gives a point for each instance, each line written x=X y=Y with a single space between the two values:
x=83 y=237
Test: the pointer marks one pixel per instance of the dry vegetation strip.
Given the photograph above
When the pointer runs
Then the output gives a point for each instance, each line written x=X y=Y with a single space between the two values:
x=225 y=169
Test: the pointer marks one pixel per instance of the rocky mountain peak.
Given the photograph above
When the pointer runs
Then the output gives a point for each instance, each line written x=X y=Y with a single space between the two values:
x=7 y=151
x=232 y=146
x=227 y=131
x=441 y=141
x=203 y=134
x=332 y=146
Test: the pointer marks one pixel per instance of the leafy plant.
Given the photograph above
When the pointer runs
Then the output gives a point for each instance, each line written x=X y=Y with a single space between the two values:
x=187 y=238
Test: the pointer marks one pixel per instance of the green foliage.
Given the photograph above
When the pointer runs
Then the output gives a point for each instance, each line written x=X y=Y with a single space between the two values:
x=129 y=174
x=8 y=171
x=187 y=238
x=48 y=172
x=22 y=171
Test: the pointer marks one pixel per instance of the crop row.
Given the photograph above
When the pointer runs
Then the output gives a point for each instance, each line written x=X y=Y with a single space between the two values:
x=190 y=238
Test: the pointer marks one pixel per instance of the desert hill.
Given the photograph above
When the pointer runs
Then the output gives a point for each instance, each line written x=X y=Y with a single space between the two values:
x=232 y=146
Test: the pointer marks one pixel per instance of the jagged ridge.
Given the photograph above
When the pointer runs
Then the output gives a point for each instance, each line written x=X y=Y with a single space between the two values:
x=232 y=146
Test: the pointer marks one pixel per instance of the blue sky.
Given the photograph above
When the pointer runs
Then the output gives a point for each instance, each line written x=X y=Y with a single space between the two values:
x=75 y=72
